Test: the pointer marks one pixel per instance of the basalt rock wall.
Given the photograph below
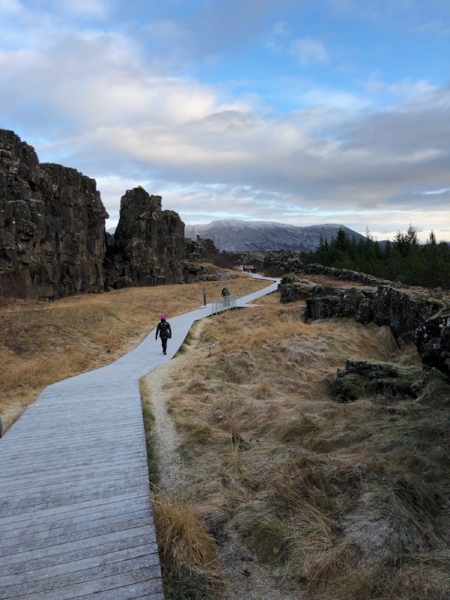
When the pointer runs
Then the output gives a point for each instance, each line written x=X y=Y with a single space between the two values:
x=52 y=224
x=148 y=245
x=52 y=232
x=424 y=321
x=401 y=311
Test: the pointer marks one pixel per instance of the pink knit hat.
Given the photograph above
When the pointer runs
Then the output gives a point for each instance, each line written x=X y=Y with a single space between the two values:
x=163 y=317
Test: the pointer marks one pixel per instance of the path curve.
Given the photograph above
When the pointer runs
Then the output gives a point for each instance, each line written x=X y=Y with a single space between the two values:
x=75 y=512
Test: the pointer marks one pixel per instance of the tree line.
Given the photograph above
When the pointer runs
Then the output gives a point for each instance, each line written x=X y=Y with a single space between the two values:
x=404 y=259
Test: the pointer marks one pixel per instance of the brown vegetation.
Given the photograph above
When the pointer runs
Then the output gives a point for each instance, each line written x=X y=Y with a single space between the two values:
x=339 y=500
x=44 y=342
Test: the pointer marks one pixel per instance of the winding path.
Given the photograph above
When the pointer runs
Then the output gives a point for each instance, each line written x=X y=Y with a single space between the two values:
x=75 y=512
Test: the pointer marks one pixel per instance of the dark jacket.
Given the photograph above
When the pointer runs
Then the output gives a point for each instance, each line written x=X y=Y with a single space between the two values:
x=164 y=330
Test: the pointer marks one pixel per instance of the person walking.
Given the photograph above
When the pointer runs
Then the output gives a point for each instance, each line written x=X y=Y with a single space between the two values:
x=165 y=332
x=225 y=296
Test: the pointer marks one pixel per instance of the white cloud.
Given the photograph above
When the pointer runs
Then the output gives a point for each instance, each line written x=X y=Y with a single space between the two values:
x=333 y=99
x=373 y=85
x=308 y=50
x=120 y=117
x=10 y=7
x=90 y=8
x=408 y=90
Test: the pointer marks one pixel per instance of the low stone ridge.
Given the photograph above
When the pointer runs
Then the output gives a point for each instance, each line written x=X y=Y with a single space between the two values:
x=365 y=378
x=52 y=232
x=402 y=312
x=342 y=274
x=423 y=321
x=52 y=224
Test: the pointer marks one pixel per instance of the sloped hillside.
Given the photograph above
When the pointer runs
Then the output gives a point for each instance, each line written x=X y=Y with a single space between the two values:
x=234 y=235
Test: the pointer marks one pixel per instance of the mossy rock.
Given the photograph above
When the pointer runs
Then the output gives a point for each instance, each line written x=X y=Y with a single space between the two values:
x=362 y=379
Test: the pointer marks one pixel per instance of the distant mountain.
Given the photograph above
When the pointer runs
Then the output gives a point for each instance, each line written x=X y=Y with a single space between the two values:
x=111 y=230
x=237 y=236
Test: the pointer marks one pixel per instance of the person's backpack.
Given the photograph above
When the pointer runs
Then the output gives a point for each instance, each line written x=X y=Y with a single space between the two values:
x=164 y=329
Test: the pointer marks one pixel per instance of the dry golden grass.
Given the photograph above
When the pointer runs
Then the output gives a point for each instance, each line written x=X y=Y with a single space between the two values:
x=187 y=551
x=348 y=500
x=45 y=342
x=183 y=540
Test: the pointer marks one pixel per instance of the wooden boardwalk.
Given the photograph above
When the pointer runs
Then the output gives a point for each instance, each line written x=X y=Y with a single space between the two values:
x=75 y=511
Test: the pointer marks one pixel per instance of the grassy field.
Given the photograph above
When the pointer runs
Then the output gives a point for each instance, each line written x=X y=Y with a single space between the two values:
x=44 y=342
x=338 y=501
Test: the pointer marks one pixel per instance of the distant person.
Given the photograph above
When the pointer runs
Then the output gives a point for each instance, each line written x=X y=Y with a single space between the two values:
x=165 y=332
x=225 y=296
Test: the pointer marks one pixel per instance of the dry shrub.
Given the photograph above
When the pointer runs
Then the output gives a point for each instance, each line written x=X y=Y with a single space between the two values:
x=183 y=540
x=263 y=391
x=295 y=430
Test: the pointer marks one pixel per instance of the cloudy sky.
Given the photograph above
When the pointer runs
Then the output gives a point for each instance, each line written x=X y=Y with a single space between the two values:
x=295 y=111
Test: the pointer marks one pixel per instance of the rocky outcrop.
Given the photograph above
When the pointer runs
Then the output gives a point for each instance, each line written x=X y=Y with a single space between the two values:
x=52 y=224
x=193 y=273
x=52 y=233
x=293 y=289
x=365 y=378
x=280 y=262
x=200 y=249
x=401 y=311
x=433 y=343
x=341 y=303
x=423 y=321
x=148 y=244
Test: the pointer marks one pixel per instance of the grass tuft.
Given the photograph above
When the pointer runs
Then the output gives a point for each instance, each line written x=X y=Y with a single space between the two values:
x=187 y=551
x=150 y=439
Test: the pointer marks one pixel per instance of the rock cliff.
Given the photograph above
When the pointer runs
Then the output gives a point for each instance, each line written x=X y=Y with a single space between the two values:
x=52 y=232
x=52 y=224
